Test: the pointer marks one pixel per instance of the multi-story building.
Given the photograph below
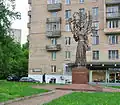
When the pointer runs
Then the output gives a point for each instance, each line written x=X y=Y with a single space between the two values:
x=53 y=49
x=16 y=35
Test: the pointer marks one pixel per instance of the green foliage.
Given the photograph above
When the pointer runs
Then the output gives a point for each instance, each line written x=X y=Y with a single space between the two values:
x=13 y=58
x=11 y=90
x=7 y=15
x=82 y=98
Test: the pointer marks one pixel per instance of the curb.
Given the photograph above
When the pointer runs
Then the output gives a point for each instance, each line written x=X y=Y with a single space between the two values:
x=26 y=97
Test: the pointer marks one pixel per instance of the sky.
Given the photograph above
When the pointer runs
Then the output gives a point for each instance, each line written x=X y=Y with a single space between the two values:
x=22 y=7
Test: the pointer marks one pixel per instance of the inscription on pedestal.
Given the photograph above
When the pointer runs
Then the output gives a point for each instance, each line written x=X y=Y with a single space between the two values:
x=80 y=75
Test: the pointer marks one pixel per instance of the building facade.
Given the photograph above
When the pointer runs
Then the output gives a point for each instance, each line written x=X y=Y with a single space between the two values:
x=52 y=48
x=16 y=35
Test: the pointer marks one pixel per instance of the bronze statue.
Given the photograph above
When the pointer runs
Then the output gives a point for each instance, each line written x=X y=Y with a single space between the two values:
x=81 y=27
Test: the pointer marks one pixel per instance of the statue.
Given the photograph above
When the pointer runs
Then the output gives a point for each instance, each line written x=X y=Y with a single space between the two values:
x=81 y=27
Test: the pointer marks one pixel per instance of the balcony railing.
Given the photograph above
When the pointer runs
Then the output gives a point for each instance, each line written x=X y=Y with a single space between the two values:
x=28 y=25
x=112 y=31
x=53 y=34
x=29 y=1
x=95 y=18
x=113 y=15
x=53 y=47
x=112 y=2
x=29 y=13
x=54 y=7
x=53 y=19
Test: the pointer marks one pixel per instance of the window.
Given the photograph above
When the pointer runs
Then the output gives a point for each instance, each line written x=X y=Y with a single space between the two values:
x=95 y=40
x=67 y=40
x=95 y=55
x=113 y=54
x=113 y=39
x=93 y=0
x=112 y=24
x=68 y=69
x=67 y=14
x=54 y=41
x=95 y=13
x=53 y=1
x=67 y=54
x=67 y=27
x=54 y=14
x=81 y=1
x=96 y=25
x=82 y=10
x=112 y=9
x=53 y=55
x=53 y=26
x=53 y=68
x=67 y=2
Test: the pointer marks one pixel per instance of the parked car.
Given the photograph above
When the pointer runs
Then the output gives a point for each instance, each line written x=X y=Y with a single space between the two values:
x=13 y=77
x=28 y=79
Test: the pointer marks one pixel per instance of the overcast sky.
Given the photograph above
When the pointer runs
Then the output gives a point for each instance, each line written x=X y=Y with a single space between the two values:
x=22 y=7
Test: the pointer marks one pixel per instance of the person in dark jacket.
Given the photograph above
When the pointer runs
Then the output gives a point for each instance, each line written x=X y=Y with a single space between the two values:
x=44 y=81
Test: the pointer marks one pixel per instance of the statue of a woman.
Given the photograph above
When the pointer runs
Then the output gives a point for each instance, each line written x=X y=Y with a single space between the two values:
x=81 y=26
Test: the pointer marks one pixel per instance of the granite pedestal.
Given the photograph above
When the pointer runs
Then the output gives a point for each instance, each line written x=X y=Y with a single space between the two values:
x=80 y=75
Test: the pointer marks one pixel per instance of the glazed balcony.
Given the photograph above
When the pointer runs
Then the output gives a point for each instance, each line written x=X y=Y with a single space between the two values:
x=53 y=19
x=29 y=1
x=29 y=13
x=115 y=15
x=112 y=30
x=112 y=2
x=54 y=7
x=56 y=47
x=53 y=34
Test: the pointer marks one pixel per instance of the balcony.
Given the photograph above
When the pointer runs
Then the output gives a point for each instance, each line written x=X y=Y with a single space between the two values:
x=95 y=18
x=29 y=13
x=29 y=1
x=53 y=34
x=115 y=15
x=112 y=30
x=28 y=25
x=53 y=19
x=108 y=2
x=53 y=47
x=54 y=7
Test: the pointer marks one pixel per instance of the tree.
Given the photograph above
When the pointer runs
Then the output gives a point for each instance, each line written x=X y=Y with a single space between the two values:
x=13 y=57
x=7 y=15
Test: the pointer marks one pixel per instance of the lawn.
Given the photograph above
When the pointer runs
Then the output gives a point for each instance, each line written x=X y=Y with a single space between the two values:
x=80 y=98
x=11 y=90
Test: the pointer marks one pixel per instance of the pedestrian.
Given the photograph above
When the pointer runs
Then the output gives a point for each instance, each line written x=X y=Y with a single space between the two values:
x=44 y=81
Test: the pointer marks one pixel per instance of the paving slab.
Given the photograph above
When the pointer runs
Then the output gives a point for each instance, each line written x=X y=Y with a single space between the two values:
x=42 y=99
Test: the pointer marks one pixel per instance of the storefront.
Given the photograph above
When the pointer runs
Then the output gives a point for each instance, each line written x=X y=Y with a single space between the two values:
x=107 y=72
x=102 y=72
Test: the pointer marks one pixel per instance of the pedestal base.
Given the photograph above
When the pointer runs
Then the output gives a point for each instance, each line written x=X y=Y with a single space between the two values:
x=80 y=75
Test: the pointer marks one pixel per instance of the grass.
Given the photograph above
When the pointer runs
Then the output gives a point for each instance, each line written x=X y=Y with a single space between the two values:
x=82 y=98
x=118 y=87
x=11 y=90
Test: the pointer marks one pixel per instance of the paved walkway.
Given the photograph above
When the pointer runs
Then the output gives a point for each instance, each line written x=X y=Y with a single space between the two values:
x=41 y=99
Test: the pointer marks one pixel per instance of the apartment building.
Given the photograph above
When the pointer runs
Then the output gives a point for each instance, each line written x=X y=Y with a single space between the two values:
x=52 y=48
x=16 y=35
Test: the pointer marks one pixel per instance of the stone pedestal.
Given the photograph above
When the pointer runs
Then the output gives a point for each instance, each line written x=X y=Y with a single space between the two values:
x=80 y=75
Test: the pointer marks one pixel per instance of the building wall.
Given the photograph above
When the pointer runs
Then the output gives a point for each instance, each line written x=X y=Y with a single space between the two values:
x=40 y=59
x=16 y=35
